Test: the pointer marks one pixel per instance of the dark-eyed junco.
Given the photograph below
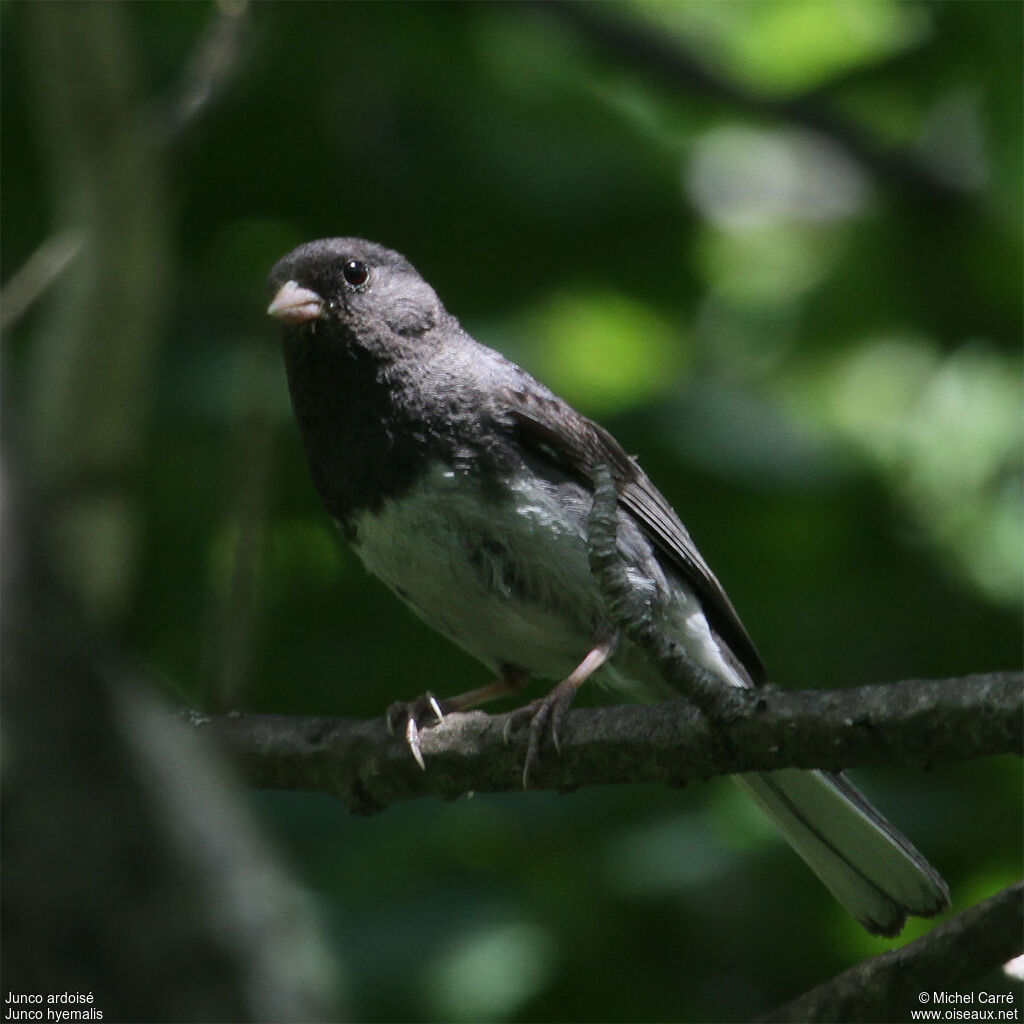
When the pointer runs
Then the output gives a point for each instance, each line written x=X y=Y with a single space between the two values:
x=466 y=486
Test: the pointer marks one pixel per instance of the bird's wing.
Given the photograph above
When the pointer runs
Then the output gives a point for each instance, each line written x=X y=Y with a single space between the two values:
x=555 y=432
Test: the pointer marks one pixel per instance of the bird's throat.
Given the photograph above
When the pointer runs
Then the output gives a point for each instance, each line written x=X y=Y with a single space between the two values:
x=360 y=448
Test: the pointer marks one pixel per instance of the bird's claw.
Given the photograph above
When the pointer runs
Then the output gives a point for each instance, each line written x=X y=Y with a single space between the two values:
x=406 y=717
x=412 y=738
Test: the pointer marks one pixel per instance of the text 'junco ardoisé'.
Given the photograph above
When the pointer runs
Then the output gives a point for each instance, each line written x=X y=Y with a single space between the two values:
x=466 y=486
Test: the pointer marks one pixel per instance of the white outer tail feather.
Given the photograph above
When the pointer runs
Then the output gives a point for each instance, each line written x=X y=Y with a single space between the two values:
x=864 y=862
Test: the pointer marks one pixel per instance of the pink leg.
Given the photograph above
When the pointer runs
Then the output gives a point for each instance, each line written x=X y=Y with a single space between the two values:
x=547 y=713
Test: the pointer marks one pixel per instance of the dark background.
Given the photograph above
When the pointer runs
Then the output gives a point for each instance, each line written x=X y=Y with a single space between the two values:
x=782 y=266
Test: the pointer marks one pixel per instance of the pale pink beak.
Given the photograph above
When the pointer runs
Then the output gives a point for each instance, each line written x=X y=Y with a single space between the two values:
x=294 y=304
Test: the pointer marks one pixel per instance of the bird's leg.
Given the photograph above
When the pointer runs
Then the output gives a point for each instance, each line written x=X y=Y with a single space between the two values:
x=546 y=714
x=405 y=716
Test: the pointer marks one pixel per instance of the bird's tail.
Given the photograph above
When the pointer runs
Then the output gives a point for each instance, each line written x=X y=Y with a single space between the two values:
x=866 y=864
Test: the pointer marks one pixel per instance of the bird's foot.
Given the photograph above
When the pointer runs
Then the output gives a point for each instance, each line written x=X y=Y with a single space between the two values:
x=546 y=714
x=406 y=717
x=543 y=717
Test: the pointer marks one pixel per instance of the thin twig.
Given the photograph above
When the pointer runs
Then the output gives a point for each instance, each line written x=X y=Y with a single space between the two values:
x=208 y=70
x=36 y=274
x=719 y=703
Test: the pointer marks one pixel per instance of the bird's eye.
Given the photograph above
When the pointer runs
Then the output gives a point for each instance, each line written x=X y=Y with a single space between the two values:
x=356 y=273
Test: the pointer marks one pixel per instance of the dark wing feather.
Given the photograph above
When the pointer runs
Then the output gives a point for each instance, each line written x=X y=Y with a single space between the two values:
x=556 y=432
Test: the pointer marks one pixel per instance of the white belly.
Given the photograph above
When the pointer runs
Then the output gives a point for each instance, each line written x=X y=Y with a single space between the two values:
x=496 y=581
x=512 y=586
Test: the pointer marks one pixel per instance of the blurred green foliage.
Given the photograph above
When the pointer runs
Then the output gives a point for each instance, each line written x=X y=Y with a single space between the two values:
x=814 y=348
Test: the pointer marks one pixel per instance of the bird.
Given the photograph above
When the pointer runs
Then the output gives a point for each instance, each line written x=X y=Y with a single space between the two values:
x=465 y=485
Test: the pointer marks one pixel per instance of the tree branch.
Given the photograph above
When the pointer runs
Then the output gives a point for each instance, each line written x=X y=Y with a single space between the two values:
x=652 y=52
x=915 y=724
x=950 y=957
